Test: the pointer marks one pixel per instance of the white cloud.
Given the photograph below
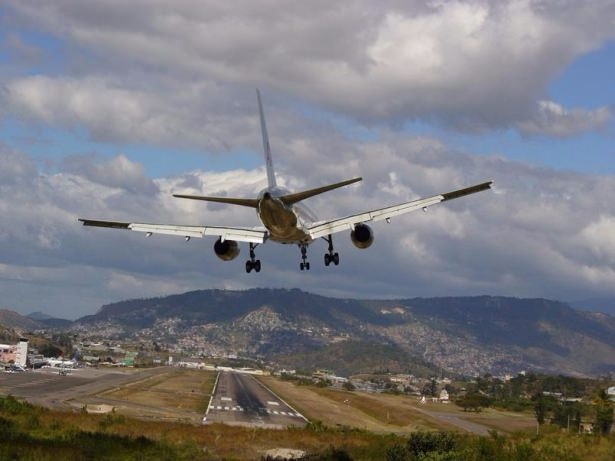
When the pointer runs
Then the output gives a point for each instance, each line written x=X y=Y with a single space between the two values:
x=118 y=172
x=551 y=119
x=538 y=236
x=599 y=238
x=15 y=167
x=469 y=64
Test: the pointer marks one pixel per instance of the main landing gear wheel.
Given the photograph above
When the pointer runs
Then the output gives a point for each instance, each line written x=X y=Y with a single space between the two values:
x=256 y=265
x=304 y=265
x=253 y=263
x=331 y=257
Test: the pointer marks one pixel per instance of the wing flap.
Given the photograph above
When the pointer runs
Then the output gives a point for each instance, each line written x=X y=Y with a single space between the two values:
x=226 y=233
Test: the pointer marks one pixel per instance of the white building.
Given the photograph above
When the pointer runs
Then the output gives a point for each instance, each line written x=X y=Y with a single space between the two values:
x=17 y=353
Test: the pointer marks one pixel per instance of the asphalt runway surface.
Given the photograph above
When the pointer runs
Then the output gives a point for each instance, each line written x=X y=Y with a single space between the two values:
x=48 y=388
x=240 y=399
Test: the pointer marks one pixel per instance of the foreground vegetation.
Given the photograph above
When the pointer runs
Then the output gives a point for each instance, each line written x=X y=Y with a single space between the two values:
x=28 y=432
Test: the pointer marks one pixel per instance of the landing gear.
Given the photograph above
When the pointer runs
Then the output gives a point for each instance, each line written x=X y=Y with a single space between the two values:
x=331 y=257
x=304 y=265
x=253 y=263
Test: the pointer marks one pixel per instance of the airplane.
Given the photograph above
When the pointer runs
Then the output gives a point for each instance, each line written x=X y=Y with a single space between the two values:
x=61 y=363
x=284 y=220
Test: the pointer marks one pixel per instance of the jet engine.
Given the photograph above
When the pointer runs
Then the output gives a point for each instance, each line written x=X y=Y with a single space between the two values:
x=227 y=250
x=362 y=236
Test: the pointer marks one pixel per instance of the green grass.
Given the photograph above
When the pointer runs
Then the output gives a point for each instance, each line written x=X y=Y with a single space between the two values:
x=29 y=432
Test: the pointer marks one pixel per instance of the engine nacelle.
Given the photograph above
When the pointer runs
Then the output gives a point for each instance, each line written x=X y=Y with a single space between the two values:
x=362 y=236
x=227 y=250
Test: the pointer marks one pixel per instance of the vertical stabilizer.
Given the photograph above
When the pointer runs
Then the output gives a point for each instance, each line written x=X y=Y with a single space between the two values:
x=267 y=149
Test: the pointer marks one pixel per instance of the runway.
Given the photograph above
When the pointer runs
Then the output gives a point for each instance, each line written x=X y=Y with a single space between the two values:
x=47 y=388
x=240 y=399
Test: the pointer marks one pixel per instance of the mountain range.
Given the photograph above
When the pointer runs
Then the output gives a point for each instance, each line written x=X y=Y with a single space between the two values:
x=465 y=335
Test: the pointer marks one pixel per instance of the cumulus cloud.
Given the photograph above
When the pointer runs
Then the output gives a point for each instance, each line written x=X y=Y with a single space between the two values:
x=118 y=172
x=599 y=238
x=551 y=119
x=15 y=167
x=539 y=233
x=469 y=64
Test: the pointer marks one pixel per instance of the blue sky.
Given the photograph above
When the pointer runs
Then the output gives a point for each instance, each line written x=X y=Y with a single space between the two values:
x=105 y=110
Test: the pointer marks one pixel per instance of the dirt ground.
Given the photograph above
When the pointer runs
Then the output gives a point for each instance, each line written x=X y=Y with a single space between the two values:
x=390 y=413
x=180 y=389
x=374 y=412
x=179 y=393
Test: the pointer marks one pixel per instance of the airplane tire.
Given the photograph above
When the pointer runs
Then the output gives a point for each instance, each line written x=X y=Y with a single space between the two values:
x=257 y=265
x=336 y=259
x=307 y=266
x=327 y=259
x=248 y=267
x=301 y=266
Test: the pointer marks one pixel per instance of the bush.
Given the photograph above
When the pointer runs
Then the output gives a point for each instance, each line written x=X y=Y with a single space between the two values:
x=13 y=406
x=421 y=443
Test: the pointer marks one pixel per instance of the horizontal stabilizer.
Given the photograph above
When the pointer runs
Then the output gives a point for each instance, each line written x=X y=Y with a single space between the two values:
x=291 y=199
x=249 y=202
x=288 y=199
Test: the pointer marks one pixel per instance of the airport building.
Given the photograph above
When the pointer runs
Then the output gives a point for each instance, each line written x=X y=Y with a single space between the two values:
x=15 y=353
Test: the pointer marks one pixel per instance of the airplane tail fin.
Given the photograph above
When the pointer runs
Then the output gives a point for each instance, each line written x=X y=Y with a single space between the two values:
x=266 y=147
x=288 y=199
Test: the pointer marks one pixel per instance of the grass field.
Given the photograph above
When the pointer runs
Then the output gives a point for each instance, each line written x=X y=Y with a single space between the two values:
x=388 y=413
x=180 y=393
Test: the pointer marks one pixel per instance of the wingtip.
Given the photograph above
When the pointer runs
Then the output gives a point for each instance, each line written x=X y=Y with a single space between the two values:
x=467 y=190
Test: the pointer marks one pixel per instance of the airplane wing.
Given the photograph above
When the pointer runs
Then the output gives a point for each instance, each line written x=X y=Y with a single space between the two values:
x=239 y=234
x=338 y=225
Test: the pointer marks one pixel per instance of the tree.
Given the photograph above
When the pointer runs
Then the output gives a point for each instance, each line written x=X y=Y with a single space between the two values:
x=540 y=408
x=473 y=402
x=49 y=350
x=604 y=413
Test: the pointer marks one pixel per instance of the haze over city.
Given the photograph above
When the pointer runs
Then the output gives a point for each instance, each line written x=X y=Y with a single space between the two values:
x=107 y=109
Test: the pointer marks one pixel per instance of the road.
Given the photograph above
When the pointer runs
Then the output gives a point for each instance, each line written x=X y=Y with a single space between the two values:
x=240 y=399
